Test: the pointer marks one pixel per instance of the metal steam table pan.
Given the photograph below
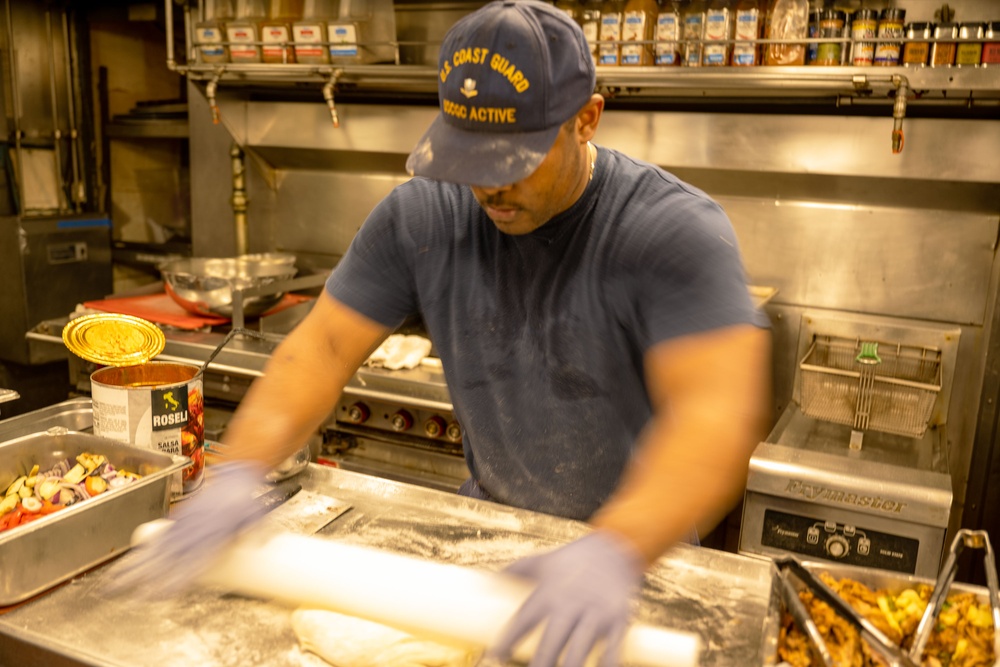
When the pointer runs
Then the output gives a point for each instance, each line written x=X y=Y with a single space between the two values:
x=75 y=414
x=41 y=554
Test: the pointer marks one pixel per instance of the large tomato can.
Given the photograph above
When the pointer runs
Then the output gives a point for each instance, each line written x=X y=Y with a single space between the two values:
x=158 y=406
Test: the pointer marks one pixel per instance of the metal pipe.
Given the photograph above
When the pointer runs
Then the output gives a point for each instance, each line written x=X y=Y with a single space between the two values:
x=210 y=94
x=56 y=132
x=16 y=99
x=168 y=14
x=192 y=54
x=328 y=96
x=239 y=198
x=899 y=112
x=79 y=193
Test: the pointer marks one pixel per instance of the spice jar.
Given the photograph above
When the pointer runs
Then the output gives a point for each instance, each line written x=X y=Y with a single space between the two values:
x=831 y=25
x=970 y=52
x=890 y=25
x=942 y=51
x=864 y=26
x=915 y=53
x=991 y=44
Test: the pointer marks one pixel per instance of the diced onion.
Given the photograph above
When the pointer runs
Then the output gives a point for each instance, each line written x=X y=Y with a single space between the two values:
x=31 y=504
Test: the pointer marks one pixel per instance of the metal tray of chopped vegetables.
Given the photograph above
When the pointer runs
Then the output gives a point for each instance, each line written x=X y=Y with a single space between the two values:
x=70 y=501
x=932 y=623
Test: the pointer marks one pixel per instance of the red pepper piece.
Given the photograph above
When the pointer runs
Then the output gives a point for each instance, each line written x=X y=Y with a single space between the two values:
x=28 y=517
x=48 y=507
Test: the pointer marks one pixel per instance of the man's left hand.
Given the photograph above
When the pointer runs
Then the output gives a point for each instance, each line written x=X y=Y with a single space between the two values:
x=584 y=597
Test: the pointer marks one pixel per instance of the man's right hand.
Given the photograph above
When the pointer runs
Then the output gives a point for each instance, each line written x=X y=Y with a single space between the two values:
x=173 y=559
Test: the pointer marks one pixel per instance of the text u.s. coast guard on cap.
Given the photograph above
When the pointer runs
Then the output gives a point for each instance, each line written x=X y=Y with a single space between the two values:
x=477 y=56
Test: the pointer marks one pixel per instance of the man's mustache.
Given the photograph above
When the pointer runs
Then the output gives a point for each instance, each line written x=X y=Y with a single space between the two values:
x=498 y=202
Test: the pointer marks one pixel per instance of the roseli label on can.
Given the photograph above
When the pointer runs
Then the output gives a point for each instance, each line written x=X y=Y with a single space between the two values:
x=158 y=406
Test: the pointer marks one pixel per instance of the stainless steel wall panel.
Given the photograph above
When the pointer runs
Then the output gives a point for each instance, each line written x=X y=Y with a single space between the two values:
x=801 y=145
x=322 y=211
x=840 y=189
x=814 y=145
x=232 y=113
x=212 y=229
x=363 y=127
x=914 y=263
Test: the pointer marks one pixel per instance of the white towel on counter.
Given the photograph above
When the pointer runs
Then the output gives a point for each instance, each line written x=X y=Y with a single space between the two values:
x=400 y=351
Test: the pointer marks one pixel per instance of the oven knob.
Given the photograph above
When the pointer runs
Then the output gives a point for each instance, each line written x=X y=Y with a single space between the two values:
x=864 y=546
x=434 y=427
x=837 y=546
x=401 y=421
x=358 y=413
x=454 y=432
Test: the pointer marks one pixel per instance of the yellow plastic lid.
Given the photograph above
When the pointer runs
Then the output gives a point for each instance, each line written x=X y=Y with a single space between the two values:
x=112 y=339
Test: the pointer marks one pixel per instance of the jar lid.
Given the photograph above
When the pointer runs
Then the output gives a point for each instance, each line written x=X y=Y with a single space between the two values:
x=971 y=30
x=893 y=14
x=112 y=339
x=946 y=30
x=832 y=15
x=921 y=26
x=865 y=14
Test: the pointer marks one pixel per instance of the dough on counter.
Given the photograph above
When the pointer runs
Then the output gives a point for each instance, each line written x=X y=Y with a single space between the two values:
x=348 y=641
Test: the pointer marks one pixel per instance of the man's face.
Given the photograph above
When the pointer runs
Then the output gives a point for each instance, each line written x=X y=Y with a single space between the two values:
x=526 y=205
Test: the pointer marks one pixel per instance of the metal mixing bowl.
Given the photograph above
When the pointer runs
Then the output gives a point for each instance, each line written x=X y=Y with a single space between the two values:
x=205 y=285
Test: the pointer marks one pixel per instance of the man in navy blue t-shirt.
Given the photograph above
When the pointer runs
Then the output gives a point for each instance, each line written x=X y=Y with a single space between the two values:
x=590 y=311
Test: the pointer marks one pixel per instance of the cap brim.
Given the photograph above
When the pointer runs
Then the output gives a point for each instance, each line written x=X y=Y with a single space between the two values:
x=447 y=153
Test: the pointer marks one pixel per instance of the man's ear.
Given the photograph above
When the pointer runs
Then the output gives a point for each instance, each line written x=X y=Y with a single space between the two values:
x=589 y=116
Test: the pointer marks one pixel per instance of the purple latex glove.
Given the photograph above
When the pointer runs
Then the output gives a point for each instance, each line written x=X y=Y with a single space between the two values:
x=584 y=596
x=175 y=558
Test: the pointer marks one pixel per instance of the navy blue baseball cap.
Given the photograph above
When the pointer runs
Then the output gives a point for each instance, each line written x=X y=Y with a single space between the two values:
x=509 y=75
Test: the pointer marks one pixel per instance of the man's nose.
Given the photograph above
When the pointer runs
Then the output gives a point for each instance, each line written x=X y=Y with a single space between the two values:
x=495 y=190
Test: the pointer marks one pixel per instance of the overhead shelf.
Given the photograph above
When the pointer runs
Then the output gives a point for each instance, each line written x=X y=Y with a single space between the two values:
x=848 y=85
x=940 y=82
x=958 y=81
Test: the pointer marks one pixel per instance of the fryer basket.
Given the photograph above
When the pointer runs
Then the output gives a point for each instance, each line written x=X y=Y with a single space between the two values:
x=899 y=399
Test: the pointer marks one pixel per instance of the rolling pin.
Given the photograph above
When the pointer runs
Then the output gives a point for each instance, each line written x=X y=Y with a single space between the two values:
x=447 y=603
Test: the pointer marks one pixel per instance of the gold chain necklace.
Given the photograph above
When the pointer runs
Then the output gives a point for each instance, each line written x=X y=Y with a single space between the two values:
x=592 y=152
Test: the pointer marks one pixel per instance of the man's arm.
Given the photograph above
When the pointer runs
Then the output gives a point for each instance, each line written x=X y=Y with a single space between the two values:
x=301 y=384
x=302 y=381
x=710 y=394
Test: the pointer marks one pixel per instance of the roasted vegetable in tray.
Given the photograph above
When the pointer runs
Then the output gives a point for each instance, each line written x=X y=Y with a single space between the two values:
x=962 y=636
x=36 y=494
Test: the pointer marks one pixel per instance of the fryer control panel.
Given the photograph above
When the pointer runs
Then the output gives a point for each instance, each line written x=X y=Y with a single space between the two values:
x=839 y=542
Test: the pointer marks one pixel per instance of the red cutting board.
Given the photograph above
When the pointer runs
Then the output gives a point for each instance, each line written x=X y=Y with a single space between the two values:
x=161 y=309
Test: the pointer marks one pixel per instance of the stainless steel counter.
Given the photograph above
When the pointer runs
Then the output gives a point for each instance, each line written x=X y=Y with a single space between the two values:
x=729 y=600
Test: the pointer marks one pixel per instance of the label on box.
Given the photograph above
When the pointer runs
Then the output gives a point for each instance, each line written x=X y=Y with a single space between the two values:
x=308 y=40
x=343 y=40
x=241 y=38
x=667 y=30
x=211 y=43
x=634 y=30
x=275 y=35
